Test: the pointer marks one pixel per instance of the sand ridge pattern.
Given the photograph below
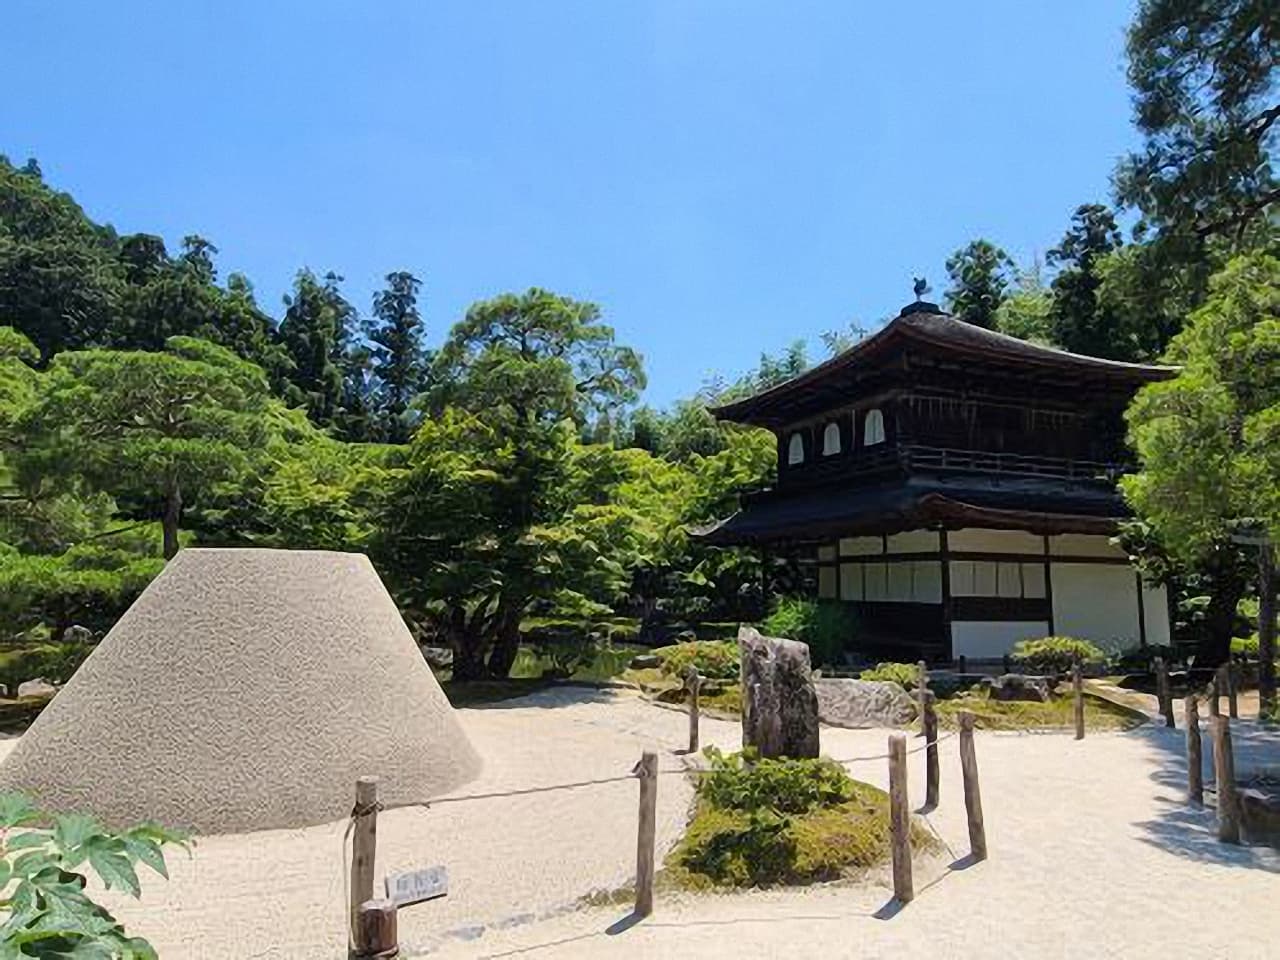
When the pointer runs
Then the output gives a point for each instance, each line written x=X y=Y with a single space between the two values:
x=245 y=690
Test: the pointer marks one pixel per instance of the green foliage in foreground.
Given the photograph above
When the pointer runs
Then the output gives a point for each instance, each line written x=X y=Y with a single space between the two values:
x=906 y=675
x=1055 y=655
x=767 y=822
x=713 y=658
x=43 y=879
x=827 y=626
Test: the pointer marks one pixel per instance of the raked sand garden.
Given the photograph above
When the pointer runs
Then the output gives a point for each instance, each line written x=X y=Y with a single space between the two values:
x=1093 y=852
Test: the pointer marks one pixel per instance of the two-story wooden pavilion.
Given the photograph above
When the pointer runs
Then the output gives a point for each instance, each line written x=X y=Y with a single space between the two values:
x=958 y=486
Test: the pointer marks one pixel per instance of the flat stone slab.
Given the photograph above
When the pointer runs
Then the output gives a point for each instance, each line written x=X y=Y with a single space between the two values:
x=863 y=703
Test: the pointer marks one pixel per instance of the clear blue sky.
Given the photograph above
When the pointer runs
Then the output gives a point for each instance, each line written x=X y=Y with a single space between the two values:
x=721 y=177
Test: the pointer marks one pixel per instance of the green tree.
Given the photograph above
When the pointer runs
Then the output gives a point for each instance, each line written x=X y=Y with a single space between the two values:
x=158 y=430
x=399 y=358
x=1207 y=439
x=1078 y=321
x=980 y=274
x=1026 y=311
x=1205 y=99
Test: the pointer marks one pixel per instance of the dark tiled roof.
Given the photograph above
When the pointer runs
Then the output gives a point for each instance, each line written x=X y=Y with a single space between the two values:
x=1041 y=506
x=926 y=324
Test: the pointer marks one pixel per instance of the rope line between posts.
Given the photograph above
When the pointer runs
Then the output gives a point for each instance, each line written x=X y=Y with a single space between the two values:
x=916 y=749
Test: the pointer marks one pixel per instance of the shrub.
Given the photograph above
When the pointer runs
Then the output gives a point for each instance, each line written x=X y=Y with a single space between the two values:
x=740 y=781
x=717 y=659
x=1140 y=659
x=1245 y=646
x=1050 y=655
x=44 y=868
x=56 y=662
x=827 y=626
x=906 y=675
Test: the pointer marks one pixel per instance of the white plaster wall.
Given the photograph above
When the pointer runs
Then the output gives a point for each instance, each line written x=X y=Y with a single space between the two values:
x=992 y=638
x=1084 y=545
x=1155 y=610
x=975 y=540
x=861 y=546
x=915 y=541
x=1095 y=601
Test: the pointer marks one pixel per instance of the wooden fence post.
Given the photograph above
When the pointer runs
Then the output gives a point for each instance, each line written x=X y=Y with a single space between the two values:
x=931 y=773
x=1163 y=695
x=1233 y=705
x=1077 y=690
x=694 y=683
x=972 y=795
x=900 y=819
x=1195 y=769
x=1224 y=774
x=1215 y=691
x=364 y=845
x=646 y=837
x=922 y=688
x=376 y=934
x=964 y=664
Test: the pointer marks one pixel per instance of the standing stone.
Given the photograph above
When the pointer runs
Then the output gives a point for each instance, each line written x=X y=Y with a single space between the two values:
x=779 y=704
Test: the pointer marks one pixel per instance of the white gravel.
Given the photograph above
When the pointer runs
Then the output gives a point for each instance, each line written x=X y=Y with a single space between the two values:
x=1090 y=844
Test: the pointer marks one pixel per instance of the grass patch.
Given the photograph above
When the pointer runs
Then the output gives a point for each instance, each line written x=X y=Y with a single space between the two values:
x=1057 y=711
x=782 y=822
x=658 y=685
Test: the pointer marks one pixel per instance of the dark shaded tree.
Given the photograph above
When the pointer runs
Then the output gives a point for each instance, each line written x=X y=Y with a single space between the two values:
x=1077 y=320
x=980 y=274
x=316 y=333
x=398 y=357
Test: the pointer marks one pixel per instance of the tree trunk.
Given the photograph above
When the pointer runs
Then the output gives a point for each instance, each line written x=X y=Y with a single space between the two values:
x=467 y=647
x=172 y=516
x=506 y=642
x=1227 y=586
x=1266 y=631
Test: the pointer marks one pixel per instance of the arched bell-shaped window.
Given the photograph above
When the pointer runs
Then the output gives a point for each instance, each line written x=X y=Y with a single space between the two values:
x=873 y=428
x=831 y=440
x=795 y=450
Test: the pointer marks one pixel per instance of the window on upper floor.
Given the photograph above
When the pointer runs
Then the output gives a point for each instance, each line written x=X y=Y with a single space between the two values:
x=795 y=450
x=873 y=428
x=831 y=439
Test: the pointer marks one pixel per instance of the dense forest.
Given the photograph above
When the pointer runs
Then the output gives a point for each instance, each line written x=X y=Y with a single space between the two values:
x=505 y=469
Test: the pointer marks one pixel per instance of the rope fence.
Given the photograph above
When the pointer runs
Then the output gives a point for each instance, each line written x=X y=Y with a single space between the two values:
x=371 y=921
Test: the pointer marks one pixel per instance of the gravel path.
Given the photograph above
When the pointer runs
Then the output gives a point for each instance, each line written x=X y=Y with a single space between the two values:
x=1089 y=841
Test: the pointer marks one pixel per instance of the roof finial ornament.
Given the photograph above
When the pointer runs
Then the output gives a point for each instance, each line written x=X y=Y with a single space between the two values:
x=921 y=287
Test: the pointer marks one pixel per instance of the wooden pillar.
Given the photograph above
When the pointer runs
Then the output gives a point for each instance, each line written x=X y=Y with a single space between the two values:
x=694 y=684
x=376 y=935
x=1215 y=691
x=900 y=819
x=1229 y=674
x=1077 y=693
x=1163 y=696
x=931 y=774
x=364 y=844
x=964 y=665
x=972 y=795
x=1195 y=760
x=1266 y=632
x=1224 y=773
x=646 y=837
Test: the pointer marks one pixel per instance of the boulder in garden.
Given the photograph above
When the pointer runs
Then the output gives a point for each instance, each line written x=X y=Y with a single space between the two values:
x=864 y=703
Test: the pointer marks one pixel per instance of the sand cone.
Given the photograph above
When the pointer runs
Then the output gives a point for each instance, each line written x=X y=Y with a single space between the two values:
x=244 y=690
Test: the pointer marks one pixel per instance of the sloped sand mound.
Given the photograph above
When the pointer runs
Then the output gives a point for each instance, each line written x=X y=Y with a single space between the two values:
x=245 y=690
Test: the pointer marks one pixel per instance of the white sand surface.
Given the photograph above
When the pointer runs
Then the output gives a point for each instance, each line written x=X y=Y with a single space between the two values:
x=1093 y=853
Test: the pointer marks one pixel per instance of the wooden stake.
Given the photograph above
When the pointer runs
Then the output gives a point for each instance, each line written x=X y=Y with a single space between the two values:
x=1163 y=696
x=1195 y=760
x=376 y=934
x=900 y=819
x=1224 y=772
x=1214 y=693
x=931 y=774
x=647 y=771
x=972 y=795
x=364 y=844
x=694 y=684
x=922 y=687
x=1077 y=689
x=1233 y=705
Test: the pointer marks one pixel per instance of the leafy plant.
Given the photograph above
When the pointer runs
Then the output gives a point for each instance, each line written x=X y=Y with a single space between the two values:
x=906 y=675
x=827 y=626
x=43 y=868
x=742 y=781
x=717 y=659
x=1054 y=655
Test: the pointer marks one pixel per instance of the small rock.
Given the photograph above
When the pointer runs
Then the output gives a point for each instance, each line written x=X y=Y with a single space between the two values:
x=686 y=636
x=646 y=661
x=1015 y=686
x=77 y=634
x=39 y=687
x=779 y=705
x=1259 y=817
x=864 y=703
